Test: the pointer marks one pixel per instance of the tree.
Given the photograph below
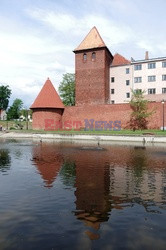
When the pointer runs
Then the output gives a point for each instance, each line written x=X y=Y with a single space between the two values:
x=5 y=94
x=139 y=105
x=67 y=89
x=14 y=110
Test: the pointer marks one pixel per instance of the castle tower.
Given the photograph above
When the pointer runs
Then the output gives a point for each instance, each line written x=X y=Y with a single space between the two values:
x=92 y=66
x=47 y=108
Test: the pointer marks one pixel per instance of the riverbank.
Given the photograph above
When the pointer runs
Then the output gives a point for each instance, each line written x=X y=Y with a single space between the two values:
x=144 y=138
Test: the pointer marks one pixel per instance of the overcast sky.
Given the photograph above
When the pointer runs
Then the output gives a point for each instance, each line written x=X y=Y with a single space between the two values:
x=37 y=37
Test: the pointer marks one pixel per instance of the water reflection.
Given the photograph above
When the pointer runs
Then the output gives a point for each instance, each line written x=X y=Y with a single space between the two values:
x=116 y=179
x=68 y=173
x=89 y=195
x=5 y=160
x=48 y=162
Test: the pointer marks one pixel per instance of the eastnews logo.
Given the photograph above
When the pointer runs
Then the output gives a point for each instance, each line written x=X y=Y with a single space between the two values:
x=87 y=125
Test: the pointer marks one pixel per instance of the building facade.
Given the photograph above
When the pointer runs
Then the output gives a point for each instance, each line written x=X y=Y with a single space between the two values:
x=101 y=81
x=148 y=75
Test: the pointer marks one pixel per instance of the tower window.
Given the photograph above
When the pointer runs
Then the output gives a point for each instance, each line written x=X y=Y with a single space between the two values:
x=93 y=56
x=84 y=56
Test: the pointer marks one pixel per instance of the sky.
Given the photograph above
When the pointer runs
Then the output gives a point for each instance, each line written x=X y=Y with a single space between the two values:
x=37 y=37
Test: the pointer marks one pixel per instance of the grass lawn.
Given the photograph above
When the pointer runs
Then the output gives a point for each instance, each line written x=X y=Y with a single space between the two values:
x=122 y=132
x=12 y=126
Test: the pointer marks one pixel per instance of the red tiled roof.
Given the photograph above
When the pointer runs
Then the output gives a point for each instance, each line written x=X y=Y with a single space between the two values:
x=119 y=60
x=48 y=97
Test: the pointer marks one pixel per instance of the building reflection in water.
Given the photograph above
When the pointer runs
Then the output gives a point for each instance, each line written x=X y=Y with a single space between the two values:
x=48 y=162
x=116 y=178
x=92 y=190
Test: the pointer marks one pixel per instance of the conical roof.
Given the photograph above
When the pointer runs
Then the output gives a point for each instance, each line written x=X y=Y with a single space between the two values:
x=91 y=41
x=119 y=60
x=48 y=97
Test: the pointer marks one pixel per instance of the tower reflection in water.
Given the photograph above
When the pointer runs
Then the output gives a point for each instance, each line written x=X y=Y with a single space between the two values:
x=48 y=162
x=116 y=178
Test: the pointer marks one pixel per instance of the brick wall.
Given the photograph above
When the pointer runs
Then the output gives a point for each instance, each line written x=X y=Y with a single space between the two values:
x=74 y=117
x=43 y=118
x=111 y=112
x=92 y=77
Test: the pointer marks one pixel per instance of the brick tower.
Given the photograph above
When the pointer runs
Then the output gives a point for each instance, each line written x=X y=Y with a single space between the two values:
x=92 y=66
x=47 y=108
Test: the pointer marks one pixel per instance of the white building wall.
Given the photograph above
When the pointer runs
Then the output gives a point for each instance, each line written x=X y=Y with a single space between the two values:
x=145 y=72
x=119 y=84
x=120 y=76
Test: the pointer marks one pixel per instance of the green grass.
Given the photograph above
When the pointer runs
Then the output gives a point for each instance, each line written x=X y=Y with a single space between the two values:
x=121 y=132
x=13 y=124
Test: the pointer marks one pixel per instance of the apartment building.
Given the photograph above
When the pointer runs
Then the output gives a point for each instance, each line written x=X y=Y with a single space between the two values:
x=147 y=75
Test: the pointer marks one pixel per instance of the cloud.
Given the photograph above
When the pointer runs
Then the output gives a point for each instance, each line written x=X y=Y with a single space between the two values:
x=67 y=23
x=39 y=42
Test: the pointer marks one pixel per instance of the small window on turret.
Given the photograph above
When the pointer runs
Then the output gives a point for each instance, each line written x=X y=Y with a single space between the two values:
x=84 y=56
x=93 y=56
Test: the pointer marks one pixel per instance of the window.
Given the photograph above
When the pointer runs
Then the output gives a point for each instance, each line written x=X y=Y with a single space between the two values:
x=84 y=56
x=164 y=64
x=164 y=77
x=127 y=82
x=151 y=65
x=138 y=91
x=112 y=101
x=93 y=56
x=151 y=91
x=138 y=67
x=137 y=79
x=112 y=79
x=163 y=90
x=151 y=78
x=127 y=95
x=127 y=70
x=112 y=91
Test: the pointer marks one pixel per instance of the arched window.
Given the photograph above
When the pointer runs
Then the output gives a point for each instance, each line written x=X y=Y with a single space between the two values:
x=93 y=56
x=84 y=56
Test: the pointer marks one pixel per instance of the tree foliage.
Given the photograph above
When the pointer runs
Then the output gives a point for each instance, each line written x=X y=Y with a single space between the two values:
x=5 y=93
x=67 y=89
x=140 y=114
x=14 y=110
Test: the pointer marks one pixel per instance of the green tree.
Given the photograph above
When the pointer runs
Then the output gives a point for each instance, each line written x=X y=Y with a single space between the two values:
x=5 y=94
x=14 y=110
x=140 y=114
x=67 y=89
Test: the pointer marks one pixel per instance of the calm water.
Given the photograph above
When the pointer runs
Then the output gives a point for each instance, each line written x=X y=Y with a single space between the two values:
x=75 y=196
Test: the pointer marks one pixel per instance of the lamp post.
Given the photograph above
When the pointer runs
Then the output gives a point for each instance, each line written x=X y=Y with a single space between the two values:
x=163 y=113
